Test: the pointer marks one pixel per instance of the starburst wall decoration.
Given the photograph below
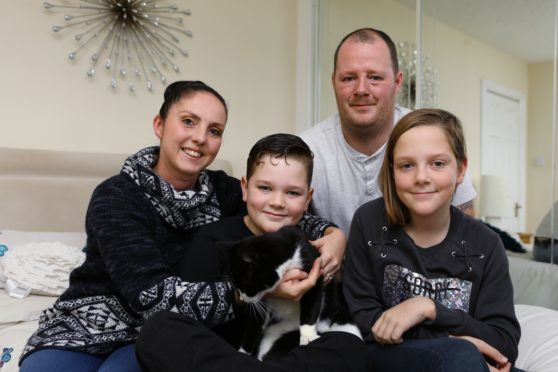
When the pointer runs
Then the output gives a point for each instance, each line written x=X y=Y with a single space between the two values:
x=135 y=41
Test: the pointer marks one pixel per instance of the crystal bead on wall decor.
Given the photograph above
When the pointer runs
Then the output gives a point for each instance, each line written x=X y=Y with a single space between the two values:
x=407 y=60
x=126 y=35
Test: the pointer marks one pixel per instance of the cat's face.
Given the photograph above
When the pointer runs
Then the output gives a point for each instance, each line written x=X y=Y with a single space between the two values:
x=258 y=263
x=251 y=274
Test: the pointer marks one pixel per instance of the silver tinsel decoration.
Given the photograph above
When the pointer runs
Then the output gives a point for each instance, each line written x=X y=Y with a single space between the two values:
x=407 y=56
x=135 y=40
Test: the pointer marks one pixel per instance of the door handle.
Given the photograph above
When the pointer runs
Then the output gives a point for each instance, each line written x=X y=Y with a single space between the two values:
x=516 y=208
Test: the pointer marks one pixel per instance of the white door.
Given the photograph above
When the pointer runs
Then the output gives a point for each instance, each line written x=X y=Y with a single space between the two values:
x=503 y=143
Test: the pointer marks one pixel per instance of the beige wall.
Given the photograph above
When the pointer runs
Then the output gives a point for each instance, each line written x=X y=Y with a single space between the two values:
x=46 y=102
x=243 y=48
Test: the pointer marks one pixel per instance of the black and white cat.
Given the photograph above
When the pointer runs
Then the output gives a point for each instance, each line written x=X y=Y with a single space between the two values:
x=257 y=265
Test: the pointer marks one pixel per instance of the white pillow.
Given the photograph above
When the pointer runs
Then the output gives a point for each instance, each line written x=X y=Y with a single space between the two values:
x=538 y=346
x=59 y=254
x=40 y=268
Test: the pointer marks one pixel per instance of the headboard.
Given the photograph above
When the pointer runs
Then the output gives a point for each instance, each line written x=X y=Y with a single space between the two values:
x=47 y=190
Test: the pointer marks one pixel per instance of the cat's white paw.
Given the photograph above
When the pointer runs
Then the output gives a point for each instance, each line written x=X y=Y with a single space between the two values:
x=308 y=334
x=241 y=349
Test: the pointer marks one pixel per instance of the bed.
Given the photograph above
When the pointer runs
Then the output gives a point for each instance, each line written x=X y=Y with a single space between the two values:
x=43 y=198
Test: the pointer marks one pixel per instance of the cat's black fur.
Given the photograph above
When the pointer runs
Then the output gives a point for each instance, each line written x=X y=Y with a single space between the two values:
x=256 y=266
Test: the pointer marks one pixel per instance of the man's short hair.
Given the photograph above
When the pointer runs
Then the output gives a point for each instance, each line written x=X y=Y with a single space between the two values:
x=369 y=35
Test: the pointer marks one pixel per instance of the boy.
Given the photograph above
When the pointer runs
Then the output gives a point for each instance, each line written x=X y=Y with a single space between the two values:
x=277 y=191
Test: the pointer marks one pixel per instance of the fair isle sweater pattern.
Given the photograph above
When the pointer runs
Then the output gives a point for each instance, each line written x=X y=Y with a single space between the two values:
x=185 y=209
x=94 y=316
x=100 y=324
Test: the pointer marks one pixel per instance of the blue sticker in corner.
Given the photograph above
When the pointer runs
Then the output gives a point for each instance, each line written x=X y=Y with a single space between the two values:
x=6 y=356
x=3 y=249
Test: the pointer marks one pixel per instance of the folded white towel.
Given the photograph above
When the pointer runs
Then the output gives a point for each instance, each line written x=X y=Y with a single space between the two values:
x=43 y=267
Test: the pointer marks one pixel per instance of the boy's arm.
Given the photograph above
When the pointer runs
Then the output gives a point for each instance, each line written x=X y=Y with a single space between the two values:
x=314 y=226
x=328 y=239
x=332 y=249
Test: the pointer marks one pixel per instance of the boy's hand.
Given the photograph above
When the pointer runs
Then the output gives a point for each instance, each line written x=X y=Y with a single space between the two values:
x=332 y=248
x=394 y=322
x=502 y=364
x=295 y=283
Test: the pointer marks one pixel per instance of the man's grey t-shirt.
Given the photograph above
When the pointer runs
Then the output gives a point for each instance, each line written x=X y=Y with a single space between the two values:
x=344 y=179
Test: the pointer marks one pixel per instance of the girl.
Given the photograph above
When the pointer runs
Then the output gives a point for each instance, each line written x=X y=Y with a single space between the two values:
x=418 y=270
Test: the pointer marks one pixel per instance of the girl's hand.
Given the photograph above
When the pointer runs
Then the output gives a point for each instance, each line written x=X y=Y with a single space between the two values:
x=502 y=364
x=295 y=283
x=332 y=248
x=394 y=322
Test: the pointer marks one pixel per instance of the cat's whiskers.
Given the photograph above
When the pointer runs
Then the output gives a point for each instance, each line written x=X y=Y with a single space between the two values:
x=261 y=309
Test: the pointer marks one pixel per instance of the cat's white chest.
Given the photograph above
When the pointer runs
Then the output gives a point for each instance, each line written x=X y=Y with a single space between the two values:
x=289 y=313
x=284 y=309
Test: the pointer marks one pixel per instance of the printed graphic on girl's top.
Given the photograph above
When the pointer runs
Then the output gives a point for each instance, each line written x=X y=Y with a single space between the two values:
x=401 y=284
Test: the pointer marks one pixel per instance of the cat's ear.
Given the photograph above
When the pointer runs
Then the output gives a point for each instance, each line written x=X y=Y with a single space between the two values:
x=248 y=252
x=249 y=257
x=224 y=248
x=293 y=232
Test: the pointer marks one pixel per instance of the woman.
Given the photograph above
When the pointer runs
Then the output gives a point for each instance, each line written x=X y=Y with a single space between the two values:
x=138 y=223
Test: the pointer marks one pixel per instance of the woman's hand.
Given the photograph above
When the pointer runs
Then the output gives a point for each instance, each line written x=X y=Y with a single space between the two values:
x=332 y=248
x=394 y=322
x=295 y=283
x=502 y=364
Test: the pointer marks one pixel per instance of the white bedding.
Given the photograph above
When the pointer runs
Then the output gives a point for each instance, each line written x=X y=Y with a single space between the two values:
x=538 y=348
x=18 y=320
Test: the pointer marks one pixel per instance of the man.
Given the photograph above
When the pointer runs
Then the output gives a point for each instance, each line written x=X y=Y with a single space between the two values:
x=349 y=146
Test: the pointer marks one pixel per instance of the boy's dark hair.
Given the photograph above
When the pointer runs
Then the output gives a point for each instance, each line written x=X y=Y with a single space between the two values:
x=281 y=145
x=370 y=35
x=179 y=89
